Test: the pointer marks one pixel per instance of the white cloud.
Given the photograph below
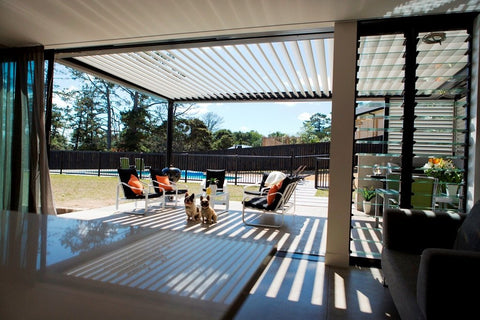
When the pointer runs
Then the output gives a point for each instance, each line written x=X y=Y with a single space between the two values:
x=59 y=102
x=304 y=116
x=244 y=129
x=201 y=108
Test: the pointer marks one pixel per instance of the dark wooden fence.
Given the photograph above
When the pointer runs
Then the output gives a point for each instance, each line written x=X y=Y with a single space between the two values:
x=285 y=158
x=261 y=158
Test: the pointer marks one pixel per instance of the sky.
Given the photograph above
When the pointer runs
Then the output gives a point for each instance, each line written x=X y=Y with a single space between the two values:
x=265 y=117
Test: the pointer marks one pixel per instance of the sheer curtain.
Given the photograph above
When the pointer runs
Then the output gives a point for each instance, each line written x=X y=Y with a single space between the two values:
x=24 y=180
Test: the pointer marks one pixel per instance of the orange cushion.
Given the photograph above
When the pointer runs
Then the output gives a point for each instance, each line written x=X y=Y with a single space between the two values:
x=134 y=182
x=271 y=195
x=164 y=183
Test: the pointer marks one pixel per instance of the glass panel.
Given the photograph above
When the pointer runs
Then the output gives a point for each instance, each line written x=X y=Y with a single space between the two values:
x=440 y=123
x=380 y=73
x=381 y=65
x=440 y=130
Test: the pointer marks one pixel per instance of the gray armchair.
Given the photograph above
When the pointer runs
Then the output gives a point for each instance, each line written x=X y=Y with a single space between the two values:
x=431 y=263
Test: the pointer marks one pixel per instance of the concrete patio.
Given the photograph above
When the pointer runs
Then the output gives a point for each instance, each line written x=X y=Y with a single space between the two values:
x=296 y=282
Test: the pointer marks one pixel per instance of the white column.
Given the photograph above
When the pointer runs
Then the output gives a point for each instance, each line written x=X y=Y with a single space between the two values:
x=341 y=147
x=473 y=183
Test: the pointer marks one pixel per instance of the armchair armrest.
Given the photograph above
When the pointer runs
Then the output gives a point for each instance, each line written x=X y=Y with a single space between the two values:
x=414 y=230
x=254 y=189
x=155 y=184
x=447 y=283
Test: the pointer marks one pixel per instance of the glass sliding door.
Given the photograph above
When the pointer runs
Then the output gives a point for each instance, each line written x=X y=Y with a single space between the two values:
x=441 y=127
x=380 y=75
x=411 y=124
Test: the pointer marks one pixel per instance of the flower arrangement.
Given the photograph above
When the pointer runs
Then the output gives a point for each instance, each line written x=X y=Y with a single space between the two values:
x=443 y=169
x=368 y=193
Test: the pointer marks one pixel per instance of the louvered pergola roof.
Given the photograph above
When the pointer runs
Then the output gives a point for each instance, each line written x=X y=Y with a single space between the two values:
x=269 y=68
x=289 y=69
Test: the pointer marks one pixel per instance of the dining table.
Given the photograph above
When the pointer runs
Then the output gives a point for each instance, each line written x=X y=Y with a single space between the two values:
x=58 y=268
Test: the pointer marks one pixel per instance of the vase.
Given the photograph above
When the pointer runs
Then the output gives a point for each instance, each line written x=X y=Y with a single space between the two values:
x=452 y=189
x=367 y=206
x=213 y=188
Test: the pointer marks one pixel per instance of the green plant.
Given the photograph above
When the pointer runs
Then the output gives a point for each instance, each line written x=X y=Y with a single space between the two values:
x=368 y=193
x=213 y=181
x=444 y=170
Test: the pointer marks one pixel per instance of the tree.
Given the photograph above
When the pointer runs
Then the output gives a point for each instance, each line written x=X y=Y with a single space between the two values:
x=251 y=138
x=194 y=134
x=107 y=101
x=58 y=139
x=212 y=121
x=87 y=132
x=222 y=139
x=134 y=136
x=316 y=129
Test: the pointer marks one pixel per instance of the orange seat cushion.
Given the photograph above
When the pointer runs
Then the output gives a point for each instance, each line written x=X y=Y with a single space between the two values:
x=164 y=183
x=271 y=193
x=135 y=183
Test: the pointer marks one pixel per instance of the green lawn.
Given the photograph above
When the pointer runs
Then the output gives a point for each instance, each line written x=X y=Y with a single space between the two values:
x=75 y=191
x=86 y=192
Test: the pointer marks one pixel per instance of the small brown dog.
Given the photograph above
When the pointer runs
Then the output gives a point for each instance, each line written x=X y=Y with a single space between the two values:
x=208 y=214
x=193 y=212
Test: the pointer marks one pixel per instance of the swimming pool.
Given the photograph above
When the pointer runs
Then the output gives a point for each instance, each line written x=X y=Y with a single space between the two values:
x=191 y=175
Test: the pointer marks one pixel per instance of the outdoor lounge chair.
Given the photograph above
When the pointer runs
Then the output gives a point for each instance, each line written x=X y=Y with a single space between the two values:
x=279 y=202
x=124 y=163
x=161 y=183
x=298 y=172
x=258 y=189
x=221 y=195
x=139 y=192
x=218 y=174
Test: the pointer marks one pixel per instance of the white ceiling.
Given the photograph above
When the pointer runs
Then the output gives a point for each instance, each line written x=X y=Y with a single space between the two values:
x=256 y=49
x=79 y=23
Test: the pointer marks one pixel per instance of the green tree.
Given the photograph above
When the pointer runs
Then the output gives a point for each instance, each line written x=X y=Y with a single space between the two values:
x=194 y=134
x=87 y=133
x=222 y=139
x=251 y=138
x=58 y=139
x=134 y=136
x=316 y=129
x=107 y=101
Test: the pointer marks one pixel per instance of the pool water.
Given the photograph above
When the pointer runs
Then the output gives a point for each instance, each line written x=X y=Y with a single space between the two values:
x=193 y=175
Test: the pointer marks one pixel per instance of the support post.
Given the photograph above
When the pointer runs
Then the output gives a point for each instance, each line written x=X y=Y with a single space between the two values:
x=408 y=119
x=169 y=133
x=341 y=147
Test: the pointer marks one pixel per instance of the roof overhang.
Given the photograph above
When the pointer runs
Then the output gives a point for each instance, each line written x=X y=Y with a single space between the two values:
x=254 y=67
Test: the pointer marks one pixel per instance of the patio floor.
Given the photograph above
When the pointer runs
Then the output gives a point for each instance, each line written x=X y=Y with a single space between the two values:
x=296 y=283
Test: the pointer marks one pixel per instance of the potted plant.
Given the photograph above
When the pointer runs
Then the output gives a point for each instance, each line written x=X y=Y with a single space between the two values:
x=447 y=174
x=368 y=194
x=212 y=186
